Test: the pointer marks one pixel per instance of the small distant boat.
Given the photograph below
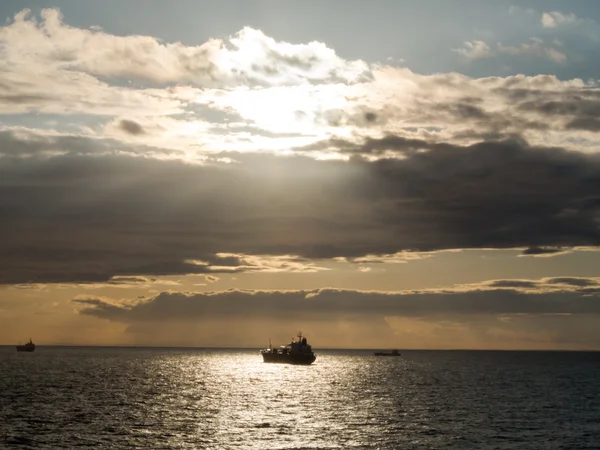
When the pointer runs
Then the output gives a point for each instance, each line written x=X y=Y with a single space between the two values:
x=296 y=352
x=29 y=347
x=392 y=353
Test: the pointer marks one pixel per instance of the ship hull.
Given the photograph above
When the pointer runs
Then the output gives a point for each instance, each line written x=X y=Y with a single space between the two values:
x=23 y=348
x=288 y=359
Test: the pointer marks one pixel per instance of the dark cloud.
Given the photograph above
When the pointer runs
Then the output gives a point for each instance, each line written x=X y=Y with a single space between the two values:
x=467 y=111
x=130 y=280
x=577 y=110
x=535 y=250
x=333 y=303
x=360 y=116
x=108 y=309
x=26 y=99
x=81 y=218
x=586 y=123
x=509 y=108
x=372 y=146
x=370 y=116
x=514 y=284
x=131 y=127
x=566 y=106
x=582 y=285
x=573 y=281
x=41 y=148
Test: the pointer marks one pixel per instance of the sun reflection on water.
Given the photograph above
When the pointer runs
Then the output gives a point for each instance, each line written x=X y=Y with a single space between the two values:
x=246 y=400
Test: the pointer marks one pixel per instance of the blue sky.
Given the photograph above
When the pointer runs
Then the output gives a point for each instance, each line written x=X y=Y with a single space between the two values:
x=422 y=173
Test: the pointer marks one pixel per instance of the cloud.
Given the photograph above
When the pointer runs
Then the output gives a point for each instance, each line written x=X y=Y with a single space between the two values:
x=50 y=68
x=23 y=143
x=474 y=50
x=535 y=47
x=90 y=215
x=581 y=285
x=249 y=57
x=513 y=284
x=573 y=281
x=131 y=127
x=501 y=297
x=232 y=263
x=554 y=18
x=454 y=108
x=578 y=112
x=396 y=258
x=311 y=94
x=44 y=68
x=545 y=251
x=480 y=50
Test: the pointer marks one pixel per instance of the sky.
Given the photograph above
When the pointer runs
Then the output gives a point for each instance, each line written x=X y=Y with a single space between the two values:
x=416 y=174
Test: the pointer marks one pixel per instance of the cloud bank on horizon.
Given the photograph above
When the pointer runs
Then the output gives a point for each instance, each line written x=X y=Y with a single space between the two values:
x=550 y=312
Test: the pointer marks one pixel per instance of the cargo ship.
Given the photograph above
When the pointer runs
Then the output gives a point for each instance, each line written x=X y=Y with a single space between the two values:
x=296 y=352
x=29 y=347
x=392 y=353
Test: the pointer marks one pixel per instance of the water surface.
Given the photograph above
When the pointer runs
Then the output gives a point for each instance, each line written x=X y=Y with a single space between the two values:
x=65 y=397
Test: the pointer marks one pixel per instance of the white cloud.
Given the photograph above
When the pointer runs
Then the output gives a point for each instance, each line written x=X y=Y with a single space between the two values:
x=474 y=50
x=248 y=57
x=535 y=47
x=288 y=96
x=49 y=67
x=554 y=18
x=396 y=258
x=262 y=263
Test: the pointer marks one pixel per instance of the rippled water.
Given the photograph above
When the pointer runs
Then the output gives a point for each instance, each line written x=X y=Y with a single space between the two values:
x=182 y=398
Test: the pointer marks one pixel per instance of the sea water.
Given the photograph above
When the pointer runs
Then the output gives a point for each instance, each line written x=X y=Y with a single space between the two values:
x=67 y=397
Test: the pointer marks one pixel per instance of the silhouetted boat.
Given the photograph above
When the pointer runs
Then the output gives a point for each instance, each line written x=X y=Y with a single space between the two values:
x=392 y=353
x=29 y=347
x=296 y=352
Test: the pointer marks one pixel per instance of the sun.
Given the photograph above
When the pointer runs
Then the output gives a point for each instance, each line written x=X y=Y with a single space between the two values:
x=297 y=110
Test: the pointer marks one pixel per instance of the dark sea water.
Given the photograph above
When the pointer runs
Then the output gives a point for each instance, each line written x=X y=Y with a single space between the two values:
x=67 y=397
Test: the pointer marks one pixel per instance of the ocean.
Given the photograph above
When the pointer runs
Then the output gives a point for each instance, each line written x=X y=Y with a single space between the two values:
x=147 y=398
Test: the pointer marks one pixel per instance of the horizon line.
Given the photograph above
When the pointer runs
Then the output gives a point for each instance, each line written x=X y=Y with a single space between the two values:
x=321 y=349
